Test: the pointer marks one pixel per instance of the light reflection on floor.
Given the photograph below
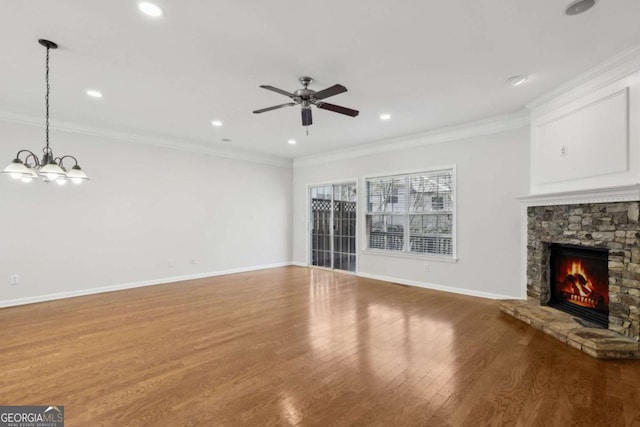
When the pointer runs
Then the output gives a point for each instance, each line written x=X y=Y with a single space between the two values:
x=288 y=408
x=332 y=316
x=378 y=339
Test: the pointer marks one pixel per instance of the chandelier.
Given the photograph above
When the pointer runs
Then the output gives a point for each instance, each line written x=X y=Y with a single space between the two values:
x=49 y=168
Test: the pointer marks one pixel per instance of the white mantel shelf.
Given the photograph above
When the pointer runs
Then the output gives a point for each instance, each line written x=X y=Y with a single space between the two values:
x=625 y=193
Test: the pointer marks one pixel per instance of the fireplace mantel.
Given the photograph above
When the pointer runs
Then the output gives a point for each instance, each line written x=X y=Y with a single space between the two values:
x=624 y=193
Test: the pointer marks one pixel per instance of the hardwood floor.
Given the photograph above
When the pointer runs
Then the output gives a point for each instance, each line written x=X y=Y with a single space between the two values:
x=296 y=346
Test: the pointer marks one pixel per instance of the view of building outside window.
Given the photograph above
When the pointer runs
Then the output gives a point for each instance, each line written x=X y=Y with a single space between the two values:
x=412 y=213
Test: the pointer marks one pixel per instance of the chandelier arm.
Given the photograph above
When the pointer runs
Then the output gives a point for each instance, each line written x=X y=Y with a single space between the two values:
x=36 y=162
x=31 y=154
x=60 y=159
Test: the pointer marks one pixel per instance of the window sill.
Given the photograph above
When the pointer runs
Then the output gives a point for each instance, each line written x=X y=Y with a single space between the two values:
x=408 y=255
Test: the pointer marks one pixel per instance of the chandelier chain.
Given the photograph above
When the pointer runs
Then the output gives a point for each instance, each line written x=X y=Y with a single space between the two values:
x=47 y=101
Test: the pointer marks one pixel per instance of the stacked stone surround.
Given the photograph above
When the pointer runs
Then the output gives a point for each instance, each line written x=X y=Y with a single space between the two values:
x=613 y=226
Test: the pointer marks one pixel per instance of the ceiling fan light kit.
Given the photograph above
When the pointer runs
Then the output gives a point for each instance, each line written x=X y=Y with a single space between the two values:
x=49 y=168
x=306 y=97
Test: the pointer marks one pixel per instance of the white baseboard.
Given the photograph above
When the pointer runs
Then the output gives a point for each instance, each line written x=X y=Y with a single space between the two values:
x=123 y=286
x=300 y=264
x=461 y=291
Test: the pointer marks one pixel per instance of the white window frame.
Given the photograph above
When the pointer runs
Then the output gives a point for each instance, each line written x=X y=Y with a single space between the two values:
x=406 y=252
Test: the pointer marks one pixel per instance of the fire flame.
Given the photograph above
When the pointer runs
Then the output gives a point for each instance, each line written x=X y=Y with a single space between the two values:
x=582 y=284
x=578 y=287
x=582 y=281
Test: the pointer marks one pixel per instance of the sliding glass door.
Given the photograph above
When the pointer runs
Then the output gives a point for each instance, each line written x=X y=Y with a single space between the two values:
x=333 y=226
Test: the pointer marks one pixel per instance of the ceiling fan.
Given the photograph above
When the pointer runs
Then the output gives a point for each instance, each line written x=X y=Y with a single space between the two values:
x=307 y=97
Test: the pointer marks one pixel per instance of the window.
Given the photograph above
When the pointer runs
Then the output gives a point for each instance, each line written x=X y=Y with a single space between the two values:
x=412 y=213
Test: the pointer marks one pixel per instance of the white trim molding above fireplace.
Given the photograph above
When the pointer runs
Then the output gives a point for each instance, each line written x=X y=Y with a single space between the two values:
x=623 y=193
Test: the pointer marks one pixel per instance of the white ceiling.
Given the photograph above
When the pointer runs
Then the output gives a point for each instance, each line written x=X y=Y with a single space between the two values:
x=428 y=63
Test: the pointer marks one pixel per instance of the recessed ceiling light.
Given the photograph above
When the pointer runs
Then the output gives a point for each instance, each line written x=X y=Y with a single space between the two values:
x=150 y=9
x=94 y=93
x=579 y=6
x=385 y=116
x=517 y=80
x=292 y=142
x=216 y=123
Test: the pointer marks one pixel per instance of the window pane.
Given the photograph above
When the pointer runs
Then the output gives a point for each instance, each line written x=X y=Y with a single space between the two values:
x=431 y=234
x=432 y=245
x=345 y=192
x=387 y=195
x=386 y=232
x=431 y=224
x=431 y=192
x=320 y=222
x=322 y=193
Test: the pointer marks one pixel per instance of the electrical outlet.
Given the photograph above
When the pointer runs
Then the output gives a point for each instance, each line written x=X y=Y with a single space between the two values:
x=193 y=261
x=564 y=151
x=426 y=267
x=15 y=279
x=172 y=262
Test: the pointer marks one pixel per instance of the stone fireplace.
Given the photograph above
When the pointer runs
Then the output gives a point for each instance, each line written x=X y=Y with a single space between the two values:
x=610 y=226
x=611 y=229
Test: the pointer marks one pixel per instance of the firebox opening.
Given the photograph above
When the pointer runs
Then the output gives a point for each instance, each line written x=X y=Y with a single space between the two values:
x=579 y=282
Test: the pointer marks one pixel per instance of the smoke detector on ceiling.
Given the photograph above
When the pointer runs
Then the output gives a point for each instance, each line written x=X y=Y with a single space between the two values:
x=579 y=6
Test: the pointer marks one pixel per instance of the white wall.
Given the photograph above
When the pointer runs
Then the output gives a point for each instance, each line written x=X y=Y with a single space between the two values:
x=143 y=206
x=491 y=171
x=597 y=124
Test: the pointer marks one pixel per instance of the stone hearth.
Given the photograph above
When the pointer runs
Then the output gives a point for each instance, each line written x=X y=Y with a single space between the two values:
x=611 y=225
x=596 y=342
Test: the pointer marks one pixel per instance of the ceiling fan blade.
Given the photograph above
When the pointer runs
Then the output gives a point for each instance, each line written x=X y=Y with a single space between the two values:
x=330 y=91
x=275 y=107
x=337 y=109
x=306 y=117
x=275 y=89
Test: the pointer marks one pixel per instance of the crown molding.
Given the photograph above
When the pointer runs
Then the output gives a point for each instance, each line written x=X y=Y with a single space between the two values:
x=487 y=126
x=623 y=193
x=603 y=74
x=173 y=144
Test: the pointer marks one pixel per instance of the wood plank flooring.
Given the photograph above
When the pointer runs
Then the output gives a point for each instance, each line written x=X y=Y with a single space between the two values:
x=295 y=346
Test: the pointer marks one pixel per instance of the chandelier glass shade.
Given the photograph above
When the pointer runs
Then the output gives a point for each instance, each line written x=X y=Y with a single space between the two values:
x=27 y=166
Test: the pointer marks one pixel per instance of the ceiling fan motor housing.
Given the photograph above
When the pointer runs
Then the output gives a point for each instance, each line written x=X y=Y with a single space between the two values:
x=304 y=94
